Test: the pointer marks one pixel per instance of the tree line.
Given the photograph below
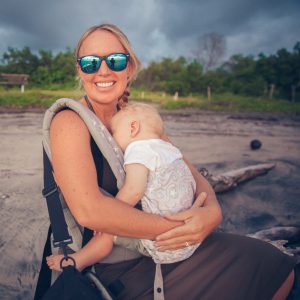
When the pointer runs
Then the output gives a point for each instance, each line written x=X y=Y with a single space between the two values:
x=274 y=76
x=44 y=68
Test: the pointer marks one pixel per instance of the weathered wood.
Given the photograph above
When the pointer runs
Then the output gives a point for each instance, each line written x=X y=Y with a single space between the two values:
x=282 y=232
x=228 y=180
x=208 y=93
x=14 y=79
x=17 y=79
x=286 y=239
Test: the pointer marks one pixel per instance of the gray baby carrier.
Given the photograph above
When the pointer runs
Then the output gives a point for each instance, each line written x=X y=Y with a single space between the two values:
x=75 y=236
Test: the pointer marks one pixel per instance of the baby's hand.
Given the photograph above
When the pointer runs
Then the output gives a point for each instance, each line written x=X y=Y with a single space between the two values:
x=53 y=262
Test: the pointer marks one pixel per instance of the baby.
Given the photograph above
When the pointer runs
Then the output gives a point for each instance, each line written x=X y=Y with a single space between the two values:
x=156 y=174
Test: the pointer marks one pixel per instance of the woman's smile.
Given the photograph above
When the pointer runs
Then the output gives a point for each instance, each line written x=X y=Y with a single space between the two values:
x=105 y=84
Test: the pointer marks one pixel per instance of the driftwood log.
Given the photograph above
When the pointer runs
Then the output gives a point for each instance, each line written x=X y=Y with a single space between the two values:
x=287 y=239
x=228 y=180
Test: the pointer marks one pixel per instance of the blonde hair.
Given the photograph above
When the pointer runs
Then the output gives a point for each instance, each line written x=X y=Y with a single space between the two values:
x=133 y=59
x=147 y=114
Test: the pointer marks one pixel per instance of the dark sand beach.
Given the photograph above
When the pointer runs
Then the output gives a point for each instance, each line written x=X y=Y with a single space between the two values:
x=217 y=141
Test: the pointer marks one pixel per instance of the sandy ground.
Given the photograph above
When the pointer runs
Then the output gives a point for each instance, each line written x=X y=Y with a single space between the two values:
x=216 y=141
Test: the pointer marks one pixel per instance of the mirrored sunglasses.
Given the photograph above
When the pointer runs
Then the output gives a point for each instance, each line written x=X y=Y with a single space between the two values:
x=91 y=63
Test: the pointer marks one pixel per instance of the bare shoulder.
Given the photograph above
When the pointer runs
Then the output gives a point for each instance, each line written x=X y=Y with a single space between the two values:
x=67 y=121
x=69 y=139
x=68 y=131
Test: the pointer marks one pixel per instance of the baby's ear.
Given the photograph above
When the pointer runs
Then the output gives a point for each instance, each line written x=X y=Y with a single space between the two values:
x=134 y=128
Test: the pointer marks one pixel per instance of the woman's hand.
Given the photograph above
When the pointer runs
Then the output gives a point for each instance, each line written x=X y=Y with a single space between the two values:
x=199 y=222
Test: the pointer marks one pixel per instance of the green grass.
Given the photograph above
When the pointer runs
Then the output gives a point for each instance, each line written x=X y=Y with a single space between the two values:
x=219 y=102
x=35 y=97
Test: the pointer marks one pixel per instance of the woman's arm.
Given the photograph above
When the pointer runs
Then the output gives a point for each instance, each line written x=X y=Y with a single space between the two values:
x=76 y=176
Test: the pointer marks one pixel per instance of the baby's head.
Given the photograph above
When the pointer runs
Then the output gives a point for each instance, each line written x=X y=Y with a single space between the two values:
x=134 y=122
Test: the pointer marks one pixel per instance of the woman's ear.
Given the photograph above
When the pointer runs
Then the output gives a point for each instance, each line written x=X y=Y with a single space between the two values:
x=134 y=128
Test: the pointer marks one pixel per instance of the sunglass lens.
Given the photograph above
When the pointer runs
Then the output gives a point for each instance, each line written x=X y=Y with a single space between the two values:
x=90 y=64
x=117 y=62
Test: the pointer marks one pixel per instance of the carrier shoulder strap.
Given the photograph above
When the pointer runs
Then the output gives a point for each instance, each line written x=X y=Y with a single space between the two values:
x=109 y=148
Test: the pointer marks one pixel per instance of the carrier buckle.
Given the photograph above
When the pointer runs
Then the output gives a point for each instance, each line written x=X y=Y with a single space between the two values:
x=63 y=242
x=48 y=191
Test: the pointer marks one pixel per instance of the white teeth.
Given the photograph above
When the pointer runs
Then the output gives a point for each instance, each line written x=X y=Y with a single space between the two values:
x=104 y=84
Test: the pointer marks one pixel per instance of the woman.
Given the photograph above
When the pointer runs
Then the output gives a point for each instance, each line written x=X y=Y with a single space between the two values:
x=225 y=266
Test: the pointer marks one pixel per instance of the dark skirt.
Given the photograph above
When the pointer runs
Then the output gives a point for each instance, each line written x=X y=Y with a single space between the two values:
x=225 y=266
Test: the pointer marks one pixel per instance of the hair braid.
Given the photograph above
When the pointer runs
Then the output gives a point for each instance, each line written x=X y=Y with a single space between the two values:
x=123 y=100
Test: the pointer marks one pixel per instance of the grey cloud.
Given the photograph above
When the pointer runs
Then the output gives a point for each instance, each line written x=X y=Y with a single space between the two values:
x=156 y=28
x=235 y=19
x=222 y=16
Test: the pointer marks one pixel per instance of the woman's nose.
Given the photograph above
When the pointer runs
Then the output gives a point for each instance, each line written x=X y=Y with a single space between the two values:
x=104 y=69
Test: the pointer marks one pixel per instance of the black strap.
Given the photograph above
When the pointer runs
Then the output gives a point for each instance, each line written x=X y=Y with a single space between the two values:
x=58 y=227
x=89 y=104
x=57 y=219
x=61 y=237
x=44 y=279
x=87 y=235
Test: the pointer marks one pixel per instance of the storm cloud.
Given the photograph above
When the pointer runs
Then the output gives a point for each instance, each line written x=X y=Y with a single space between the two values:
x=156 y=28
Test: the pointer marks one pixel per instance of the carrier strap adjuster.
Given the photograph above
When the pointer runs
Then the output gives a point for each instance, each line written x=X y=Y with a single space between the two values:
x=62 y=243
x=48 y=191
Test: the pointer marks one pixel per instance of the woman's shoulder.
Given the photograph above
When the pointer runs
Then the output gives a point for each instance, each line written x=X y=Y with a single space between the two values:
x=67 y=118
x=66 y=112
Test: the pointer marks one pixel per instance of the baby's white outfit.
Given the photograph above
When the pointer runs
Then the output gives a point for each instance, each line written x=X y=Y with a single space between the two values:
x=170 y=188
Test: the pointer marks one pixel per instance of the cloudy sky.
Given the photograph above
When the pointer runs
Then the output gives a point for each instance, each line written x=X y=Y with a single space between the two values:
x=156 y=28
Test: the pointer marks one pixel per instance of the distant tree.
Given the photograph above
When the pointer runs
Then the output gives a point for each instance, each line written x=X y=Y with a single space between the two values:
x=243 y=78
x=210 y=50
x=288 y=68
x=42 y=74
x=63 y=68
x=192 y=77
x=266 y=66
x=19 y=61
x=216 y=80
x=281 y=71
x=165 y=75
x=45 y=58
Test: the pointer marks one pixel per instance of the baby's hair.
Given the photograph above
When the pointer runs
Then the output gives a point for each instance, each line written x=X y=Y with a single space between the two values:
x=148 y=115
